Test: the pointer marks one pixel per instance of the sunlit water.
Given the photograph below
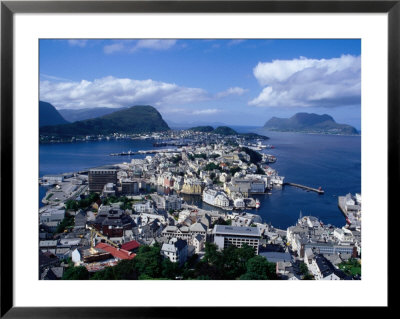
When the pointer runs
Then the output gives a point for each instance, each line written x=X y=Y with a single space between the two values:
x=332 y=162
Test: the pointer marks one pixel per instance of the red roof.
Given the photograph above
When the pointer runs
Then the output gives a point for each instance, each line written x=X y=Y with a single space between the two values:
x=130 y=245
x=116 y=252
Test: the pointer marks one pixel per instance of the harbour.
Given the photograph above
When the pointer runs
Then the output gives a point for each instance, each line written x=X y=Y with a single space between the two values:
x=315 y=159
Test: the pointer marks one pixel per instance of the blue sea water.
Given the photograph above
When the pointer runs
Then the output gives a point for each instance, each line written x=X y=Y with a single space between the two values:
x=330 y=161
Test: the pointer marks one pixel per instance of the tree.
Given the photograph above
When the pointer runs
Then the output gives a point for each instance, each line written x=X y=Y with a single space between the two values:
x=76 y=273
x=304 y=271
x=105 y=274
x=352 y=267
x=148 y=261
x=71 y=204
x=245 y=254
x=211 y=253
x=221 y=221
x=169 y=269
x=211 y=167
x=231 y=267
x=68 y=221
x=259 y=267
x=234 y=170
x=125 y=270
x=260 y=171
x=255 y=157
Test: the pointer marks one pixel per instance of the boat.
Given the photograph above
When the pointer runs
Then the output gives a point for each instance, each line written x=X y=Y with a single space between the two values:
x=257 y=203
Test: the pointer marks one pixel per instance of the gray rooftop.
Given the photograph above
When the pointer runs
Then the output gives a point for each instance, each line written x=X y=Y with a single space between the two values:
x=235 y=230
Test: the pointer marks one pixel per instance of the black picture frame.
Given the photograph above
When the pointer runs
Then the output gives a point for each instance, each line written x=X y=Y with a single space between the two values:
x=9 y=8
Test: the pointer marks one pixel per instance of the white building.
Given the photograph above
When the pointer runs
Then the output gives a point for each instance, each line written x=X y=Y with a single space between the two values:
x=143 y=207
x=175 y=250
x=215 y=197
x=225 y=236
x=343 y=235
x=239 y=203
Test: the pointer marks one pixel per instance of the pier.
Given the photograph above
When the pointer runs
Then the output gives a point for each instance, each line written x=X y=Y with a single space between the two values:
x=317 y=190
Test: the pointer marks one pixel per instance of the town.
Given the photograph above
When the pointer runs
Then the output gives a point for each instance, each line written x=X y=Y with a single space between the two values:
x=130 y=220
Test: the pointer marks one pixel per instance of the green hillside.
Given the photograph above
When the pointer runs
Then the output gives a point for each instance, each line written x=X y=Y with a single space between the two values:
x=133 y=120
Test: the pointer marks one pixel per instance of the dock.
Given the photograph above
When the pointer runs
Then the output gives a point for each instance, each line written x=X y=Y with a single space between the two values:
x=317 y=190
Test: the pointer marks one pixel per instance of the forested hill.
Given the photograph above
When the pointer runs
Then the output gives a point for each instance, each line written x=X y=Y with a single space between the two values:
x=133 y=120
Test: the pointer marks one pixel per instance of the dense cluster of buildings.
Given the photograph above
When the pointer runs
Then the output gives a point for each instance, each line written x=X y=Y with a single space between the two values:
x=108 y=230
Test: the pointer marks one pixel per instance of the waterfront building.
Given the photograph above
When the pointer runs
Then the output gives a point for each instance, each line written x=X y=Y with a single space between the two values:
x=237 y=185
x=225 y=236
x=215 y=197
x=257 y=186
x=99 y=177
x=192 y=186
x=239 y=203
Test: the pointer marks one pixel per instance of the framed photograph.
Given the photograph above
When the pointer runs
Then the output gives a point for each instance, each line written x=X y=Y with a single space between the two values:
x=196 y=148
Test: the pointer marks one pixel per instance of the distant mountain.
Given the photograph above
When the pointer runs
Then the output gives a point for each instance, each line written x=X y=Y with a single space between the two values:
x=225 y=130
x=48 y=115
x=309 y=123
x=87 y=113
x=206 y=128
x=136 y=119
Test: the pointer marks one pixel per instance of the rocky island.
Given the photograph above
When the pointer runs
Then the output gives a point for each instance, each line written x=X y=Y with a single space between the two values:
x=310 y=123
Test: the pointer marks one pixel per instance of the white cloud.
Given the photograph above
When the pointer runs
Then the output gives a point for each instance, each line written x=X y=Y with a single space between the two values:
x=130 y=46
x=309 y=82
x=188 y=111
x=235 y=42
x=154 y=44
x=115 y=47
x=52 y=77
x=116 y=92
x=79 y=43
x=231 y=91
x=205 y=111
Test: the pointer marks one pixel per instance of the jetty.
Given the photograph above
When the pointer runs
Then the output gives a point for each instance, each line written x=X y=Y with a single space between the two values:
x=317 y=190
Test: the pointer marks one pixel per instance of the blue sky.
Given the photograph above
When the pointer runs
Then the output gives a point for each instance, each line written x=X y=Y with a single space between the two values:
x=237 y=82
